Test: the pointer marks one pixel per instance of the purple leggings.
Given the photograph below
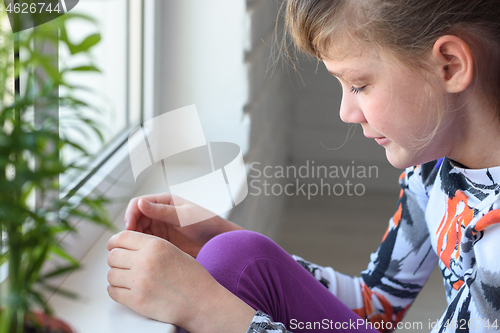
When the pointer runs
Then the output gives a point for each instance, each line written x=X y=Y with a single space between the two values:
x=263 y=275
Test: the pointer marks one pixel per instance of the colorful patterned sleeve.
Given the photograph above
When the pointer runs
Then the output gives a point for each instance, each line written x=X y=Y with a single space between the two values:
x=263 y=323
x=402 y=264
x=474 y=305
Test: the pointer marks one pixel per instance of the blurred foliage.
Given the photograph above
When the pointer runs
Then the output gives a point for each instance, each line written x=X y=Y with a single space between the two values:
x=30 y=163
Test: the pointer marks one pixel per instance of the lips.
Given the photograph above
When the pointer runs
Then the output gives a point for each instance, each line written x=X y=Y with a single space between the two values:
x=382 y=140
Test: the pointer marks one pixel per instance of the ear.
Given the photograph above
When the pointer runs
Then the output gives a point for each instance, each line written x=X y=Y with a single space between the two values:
x=454 y=63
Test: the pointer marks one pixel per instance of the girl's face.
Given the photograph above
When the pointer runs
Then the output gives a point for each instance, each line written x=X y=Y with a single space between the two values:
x=396 y=107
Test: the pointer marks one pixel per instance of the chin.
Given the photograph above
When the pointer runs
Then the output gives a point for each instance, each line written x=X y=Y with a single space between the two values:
x=403 y=160
x=400 y=165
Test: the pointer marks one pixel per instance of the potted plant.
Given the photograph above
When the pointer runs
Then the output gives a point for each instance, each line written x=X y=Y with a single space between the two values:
x=31 y=143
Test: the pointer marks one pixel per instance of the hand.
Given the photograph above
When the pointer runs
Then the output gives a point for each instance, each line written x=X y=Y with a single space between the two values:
x=156 y=215
x=154 y=278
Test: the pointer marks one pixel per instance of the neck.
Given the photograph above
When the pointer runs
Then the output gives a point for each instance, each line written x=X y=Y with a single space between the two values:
x=478 y=138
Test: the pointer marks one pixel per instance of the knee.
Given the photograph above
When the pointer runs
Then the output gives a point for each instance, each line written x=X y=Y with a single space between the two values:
x=233 y=245
x=226 y=255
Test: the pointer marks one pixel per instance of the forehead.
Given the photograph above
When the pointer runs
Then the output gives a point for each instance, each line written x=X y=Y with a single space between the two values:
x=357 y=61
x=344 y=45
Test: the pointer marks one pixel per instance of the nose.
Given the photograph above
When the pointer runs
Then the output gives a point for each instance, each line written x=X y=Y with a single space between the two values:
x=350 y=111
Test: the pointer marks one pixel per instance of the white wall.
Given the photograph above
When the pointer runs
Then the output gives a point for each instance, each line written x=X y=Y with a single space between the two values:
x=217 y=55
x=199 y=60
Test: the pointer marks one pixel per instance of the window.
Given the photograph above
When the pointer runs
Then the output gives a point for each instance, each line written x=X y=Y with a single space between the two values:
x=117 y=90
x=157 y=56
x=175 y=54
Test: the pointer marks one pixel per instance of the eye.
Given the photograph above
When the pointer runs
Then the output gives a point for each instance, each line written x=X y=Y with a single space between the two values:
x=355 y=90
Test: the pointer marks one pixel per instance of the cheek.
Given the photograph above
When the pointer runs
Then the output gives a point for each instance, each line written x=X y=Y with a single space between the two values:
x=381 y=113
x=408 y=111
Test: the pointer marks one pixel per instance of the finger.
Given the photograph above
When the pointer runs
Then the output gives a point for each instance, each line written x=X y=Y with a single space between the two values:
x=119 y=295
x=128 y=240
x=120 y=258
x=143 y=223
x=132 y=214
x=159 y=211
x=119 y=278
x=160 y=229
x=163 y=198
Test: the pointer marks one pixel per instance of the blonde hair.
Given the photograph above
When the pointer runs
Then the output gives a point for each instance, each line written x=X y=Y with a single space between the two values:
x=403 y=29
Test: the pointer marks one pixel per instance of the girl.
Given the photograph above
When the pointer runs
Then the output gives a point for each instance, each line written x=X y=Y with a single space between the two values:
x=423 y=80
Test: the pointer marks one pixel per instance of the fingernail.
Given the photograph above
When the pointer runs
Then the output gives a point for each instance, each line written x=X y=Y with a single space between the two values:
x=146 y=203
x=126 y=224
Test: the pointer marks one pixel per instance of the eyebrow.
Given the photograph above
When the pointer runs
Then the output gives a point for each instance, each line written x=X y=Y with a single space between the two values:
x=352 y=74
x=342 y=72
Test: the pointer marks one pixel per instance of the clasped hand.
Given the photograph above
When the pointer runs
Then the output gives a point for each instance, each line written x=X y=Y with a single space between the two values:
x=156 y=279
x=153 y=270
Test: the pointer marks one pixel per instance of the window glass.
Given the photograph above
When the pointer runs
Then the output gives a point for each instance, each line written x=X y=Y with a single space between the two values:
x=107 y=90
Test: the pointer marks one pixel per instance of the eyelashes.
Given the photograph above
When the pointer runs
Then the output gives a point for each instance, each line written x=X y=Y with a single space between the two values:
x=355 y=90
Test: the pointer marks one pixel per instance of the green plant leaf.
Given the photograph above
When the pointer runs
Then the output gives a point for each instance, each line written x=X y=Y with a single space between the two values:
x=85 y=45
x=58 y=271
x=36 y=259
x=7 y=319
x=39 y=299
x=59 y=291
x=58 y=251
x=33 y=232
x=88 y=68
